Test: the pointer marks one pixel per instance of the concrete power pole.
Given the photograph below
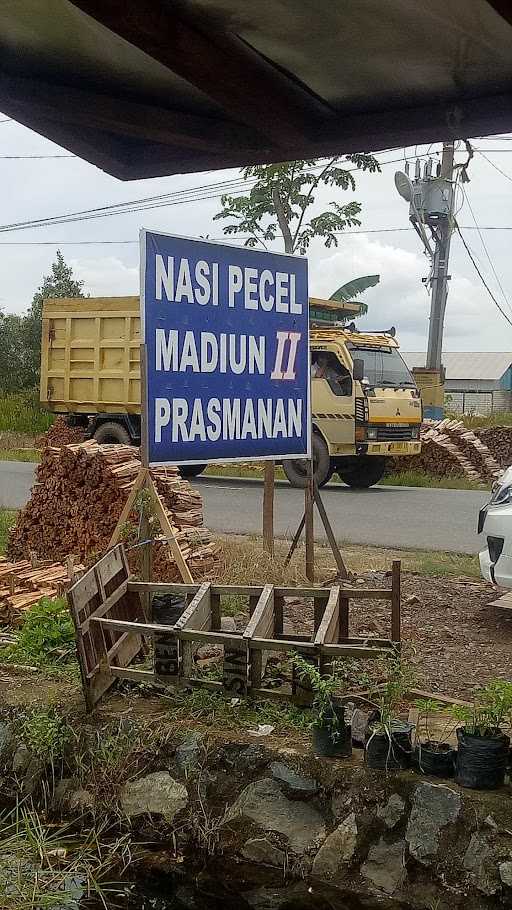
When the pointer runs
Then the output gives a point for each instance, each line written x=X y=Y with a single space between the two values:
x=440 y=275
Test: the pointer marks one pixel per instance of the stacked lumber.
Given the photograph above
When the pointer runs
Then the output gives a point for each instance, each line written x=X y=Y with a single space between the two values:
x=449 y=449
x=79 y=495
x=498 y=441
x=60 y=434
x=23 y=584
x=471 y=446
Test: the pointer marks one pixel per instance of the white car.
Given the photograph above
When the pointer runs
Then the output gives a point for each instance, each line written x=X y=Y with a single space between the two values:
x=495 y=520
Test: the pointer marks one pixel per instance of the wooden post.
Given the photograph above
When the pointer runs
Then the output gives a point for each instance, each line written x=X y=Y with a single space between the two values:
x=146 y=562
x=344 y=616
x=268 y=507
x=309 y=497
x=395 y=601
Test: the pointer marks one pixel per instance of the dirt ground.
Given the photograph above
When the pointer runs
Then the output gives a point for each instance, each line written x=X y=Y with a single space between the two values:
x=450 y=633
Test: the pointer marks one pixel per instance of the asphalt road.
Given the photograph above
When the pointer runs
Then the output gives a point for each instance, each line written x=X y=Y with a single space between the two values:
x=408 y=517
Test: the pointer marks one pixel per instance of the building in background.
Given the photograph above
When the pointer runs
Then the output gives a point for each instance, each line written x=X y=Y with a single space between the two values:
x=475 y=383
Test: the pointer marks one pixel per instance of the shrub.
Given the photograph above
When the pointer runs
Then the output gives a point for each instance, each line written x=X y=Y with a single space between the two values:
x=47 y=631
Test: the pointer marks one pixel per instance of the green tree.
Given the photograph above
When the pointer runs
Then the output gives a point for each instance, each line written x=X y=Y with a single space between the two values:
x=283 y=197
x=59 y=283
x=12 y=353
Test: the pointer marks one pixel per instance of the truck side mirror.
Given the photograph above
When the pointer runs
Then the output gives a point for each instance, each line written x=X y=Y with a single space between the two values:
x=358 y=369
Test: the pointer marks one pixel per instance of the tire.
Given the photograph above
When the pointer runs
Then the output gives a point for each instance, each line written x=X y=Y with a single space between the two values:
x=113 y=432
x=363 y=472
x=191 y=470
x=296 y=470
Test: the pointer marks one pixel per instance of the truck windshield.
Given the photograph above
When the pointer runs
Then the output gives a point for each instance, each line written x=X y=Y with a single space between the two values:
x=383 y=366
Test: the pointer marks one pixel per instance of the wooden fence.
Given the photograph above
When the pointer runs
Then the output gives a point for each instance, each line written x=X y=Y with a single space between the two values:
x=113 y=631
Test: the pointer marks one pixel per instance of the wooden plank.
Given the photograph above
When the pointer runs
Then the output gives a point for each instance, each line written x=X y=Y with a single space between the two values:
x=261 y=623
x=142 y=628
x=140 y=482
x=130 y=673
x=285 y=644
x=111 y=565
x=215 y=609
x=413 y=694
x=344 y=614
x=361 y=651
x=278 y=612
x=105 y=606
x=268 y=506
x=235 y=670
x=366 y=593
x=504 y=602
x=163 y=587
x=168 y=531
x=198 y=612
x=395 y=601
x=328 y=630
x=309 y=523
x=342 y=569
x=322 y=593
x=201 y=635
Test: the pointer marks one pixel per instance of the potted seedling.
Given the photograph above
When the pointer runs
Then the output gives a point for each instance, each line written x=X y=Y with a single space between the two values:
x=434 y=756
x=389 y=744
x=483 y=746
x=331 y=735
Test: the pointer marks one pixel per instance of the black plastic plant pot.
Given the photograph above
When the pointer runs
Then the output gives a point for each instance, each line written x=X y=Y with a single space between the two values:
x=389 y=750
x=436 y=759
x=481 y=760
x=333 y=740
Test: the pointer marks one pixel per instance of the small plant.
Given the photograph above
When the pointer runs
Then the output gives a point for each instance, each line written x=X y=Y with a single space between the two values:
x=389 y=745
x=47 y=635
x=491 y=708
x=400 y=677
x=427 y=708
x=331 y=736
x=46 y=733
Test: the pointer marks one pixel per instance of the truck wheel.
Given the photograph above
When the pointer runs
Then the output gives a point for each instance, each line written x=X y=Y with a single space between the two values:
x=362 y=472
x=113 y=432
x=191 y=470
x=296 y=469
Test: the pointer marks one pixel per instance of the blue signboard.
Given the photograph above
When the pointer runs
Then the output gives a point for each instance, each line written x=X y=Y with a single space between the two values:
x=227 y=346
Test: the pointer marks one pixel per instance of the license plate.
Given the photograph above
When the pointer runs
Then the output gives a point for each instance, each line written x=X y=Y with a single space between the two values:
x=399 y=447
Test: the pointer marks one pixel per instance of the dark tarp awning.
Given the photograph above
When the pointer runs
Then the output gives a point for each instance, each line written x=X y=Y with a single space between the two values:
x=151 y=87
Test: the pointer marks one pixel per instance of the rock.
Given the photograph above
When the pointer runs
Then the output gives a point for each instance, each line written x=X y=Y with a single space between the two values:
x=157 y=793
x=385 y=866
x=337 y=850
x=293 y=783
x=7 y=742
x=505 y=870
x=359 y=723
x=434 y=807
x=208 y=652
x=189 y=751
x=81 y=801
x=260 y=850
x=21 y=760
x=478 y=862
x=61 y=792
x=253 y=758
x=227 y=624
x=264 y=803
x=33 y=776
x=392 y=812
x=412 y=599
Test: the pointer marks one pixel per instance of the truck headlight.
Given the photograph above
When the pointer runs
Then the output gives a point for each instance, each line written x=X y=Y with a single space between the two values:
x=415 y=432
x=501 y=496
x=371 y=433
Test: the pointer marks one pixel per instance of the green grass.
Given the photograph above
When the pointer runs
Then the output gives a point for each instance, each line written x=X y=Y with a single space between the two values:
x=7 y=519
x=27 y=454
x=21 y=413
x=477 y=421
x=213 y=709
x=421 y=479
x=441 y=564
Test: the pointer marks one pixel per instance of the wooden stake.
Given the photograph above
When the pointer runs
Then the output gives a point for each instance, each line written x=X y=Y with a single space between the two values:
x=342 y=569
x=395 y=601
x=309 y=498
x=268 y=506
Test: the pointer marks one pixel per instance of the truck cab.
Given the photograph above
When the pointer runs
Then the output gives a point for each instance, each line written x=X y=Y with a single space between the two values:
x=365 y=406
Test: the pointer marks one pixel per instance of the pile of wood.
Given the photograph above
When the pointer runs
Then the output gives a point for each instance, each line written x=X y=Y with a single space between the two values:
x=498 y=441
x=79 y=495
x=60 y=434
x=449 y=449
x=24 y=583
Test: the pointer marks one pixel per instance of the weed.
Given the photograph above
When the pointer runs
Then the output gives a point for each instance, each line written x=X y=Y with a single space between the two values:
x=20 y=455
x=440 y=564
x=46 y=733
x=48 y=868
x=212 y=708
x=111 y=756
x=47 y=636
x=7 y=520
x=413 y=478
x=22 y=413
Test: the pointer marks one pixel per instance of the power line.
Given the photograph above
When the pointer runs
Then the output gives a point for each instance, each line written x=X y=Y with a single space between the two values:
x=495 y=166
x=31 y=157
x=482 y=279
x=482 y=241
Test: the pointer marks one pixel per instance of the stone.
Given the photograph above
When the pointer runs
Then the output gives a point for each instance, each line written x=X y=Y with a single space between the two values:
x=227 y=624
x=157 y=793
x=21 y=760
x=477 y=852
x=6 y=741
x=61 y=792
x=264 y=803
x=81 y=801
x=385 y=866
x=505 y=870
x=359 y=724
x=479 y=864
x=33 y=776
x=189 y=751
x=434 y=806
x=292 y=782
x=392 y=811
x=337 y=850
x=260 y=850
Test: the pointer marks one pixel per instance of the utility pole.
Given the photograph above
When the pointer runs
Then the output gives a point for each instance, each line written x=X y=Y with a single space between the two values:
x=442 y=231
x=431 y=200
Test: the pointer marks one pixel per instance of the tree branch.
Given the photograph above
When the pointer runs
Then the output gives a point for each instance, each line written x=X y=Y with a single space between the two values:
x=283 y=221
x=312 y=187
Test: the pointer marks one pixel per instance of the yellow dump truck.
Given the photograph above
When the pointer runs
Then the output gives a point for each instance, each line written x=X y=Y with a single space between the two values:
x=365 y=403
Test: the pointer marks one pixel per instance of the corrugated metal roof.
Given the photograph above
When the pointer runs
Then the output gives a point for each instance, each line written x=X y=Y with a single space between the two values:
x=467 y=364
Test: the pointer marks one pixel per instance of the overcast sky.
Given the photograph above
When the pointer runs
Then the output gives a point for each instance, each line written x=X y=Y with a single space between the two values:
x=37 y=188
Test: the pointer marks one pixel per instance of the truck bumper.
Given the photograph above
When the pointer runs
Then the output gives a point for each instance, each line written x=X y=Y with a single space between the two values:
x=394 y=448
